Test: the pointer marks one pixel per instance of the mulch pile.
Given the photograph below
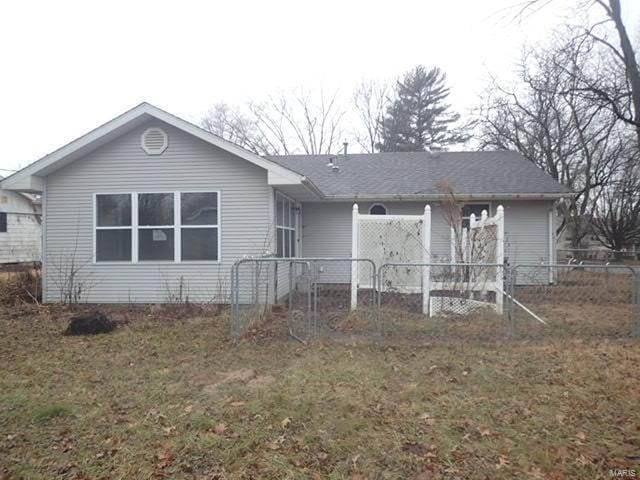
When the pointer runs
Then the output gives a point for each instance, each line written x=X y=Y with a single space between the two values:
x=91 y=324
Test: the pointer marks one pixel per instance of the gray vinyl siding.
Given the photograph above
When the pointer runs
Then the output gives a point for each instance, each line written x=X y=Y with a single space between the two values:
x=327 y=229
x=122 y=166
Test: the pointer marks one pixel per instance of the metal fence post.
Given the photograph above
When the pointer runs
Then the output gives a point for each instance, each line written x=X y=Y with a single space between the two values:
x=636 y=303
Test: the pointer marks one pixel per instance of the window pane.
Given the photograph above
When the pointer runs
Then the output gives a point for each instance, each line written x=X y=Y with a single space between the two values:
x=199 y=244
x=476 y=209
x=199 y=208
x=279 y=245
x=287 y=213
x=3 y=221
x=113 y=245
x=287 y=243
x=292 y=214
x=292 y=242
x=155 y=244
x=113 y=210
x=279 y=210
x=155 y=209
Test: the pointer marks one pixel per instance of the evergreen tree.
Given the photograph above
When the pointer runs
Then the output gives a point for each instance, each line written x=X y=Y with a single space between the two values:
x=418 y=117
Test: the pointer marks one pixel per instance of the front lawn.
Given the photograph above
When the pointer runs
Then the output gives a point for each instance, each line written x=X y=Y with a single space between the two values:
x=173 y=398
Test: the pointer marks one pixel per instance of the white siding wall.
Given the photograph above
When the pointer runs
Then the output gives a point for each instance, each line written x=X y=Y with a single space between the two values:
x=21 y=242
x=327 y=228
x=122 y=166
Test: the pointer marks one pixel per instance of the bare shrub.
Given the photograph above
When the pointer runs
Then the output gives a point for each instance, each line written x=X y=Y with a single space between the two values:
x=22 y=286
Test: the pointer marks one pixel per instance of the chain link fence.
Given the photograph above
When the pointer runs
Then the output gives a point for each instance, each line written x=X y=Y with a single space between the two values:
x=574 y=301
x=306 y=298
x=421 y=303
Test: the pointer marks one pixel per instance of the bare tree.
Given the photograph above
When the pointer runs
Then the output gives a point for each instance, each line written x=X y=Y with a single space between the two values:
x=370 y=101
x=577 y=142
x=298 y=122
x=623 y=98
x=242 y=129
x=616 y=222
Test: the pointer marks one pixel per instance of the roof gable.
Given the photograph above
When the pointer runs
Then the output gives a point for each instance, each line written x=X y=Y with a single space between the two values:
x=29 y=178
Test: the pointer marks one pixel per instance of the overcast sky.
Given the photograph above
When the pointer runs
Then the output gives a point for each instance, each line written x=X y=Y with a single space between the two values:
x=67 y=67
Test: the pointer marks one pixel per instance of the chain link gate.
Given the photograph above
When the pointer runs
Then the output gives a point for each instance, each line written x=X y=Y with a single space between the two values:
x=311 y=297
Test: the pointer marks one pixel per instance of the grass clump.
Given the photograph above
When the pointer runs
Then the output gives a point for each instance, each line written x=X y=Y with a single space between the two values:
x=46 y=413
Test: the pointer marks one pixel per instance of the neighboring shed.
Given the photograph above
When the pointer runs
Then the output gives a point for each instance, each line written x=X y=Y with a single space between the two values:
x=20 y=227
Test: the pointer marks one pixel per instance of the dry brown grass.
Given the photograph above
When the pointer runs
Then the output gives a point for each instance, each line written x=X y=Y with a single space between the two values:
x=165 y=398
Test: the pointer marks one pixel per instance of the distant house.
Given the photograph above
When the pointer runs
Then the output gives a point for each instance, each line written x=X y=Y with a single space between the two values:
x=20 y=227
x=148 y=200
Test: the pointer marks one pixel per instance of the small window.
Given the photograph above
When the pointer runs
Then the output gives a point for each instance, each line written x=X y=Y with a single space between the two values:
x=476 y=209
x=378 y=209
x=286 y=226
x=113 y=228
x=3 y=222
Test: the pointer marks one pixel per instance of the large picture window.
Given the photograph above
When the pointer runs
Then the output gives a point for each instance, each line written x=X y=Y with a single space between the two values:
x=165 y=226
x=286 y=220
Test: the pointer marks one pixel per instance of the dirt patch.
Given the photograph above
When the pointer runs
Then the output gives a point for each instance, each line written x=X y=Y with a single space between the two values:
x=261 y=381
x=213 y=383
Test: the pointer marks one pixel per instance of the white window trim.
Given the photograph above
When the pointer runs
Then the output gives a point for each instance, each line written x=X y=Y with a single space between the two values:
x=294 y=228
x=177 y=228
x=386 y=210
x=96 y=228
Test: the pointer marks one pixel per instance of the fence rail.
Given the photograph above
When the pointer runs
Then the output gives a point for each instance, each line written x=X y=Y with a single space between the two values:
x=316 y=298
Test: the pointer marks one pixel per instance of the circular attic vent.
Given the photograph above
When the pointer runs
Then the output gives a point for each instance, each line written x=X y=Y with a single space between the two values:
x=154 y=141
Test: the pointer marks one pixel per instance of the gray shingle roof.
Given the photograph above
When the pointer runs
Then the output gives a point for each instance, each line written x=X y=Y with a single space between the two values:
x=415 y=174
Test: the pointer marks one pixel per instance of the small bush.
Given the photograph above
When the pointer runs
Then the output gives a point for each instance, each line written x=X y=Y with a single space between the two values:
x=22 y=286
x=91 y=324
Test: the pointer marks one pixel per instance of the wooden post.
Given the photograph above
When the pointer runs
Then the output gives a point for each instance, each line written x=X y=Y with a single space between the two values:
x=500 y=258
x=426 y=258
x=453 y=245
x=354 y=254
x=552 y=242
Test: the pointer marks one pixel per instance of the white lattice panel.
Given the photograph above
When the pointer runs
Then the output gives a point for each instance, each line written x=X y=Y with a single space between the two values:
x=392 y=240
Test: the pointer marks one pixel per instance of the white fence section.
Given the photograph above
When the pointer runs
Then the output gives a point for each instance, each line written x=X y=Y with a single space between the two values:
x=392 y=239
x=481 y=243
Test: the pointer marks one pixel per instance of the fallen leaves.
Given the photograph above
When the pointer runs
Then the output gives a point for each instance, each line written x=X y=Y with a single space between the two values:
x=427 y=419
x=166 y=458
x=285 y=422
x=220 y=429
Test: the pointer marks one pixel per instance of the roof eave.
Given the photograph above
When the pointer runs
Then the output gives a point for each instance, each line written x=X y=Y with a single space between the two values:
x=460 y=196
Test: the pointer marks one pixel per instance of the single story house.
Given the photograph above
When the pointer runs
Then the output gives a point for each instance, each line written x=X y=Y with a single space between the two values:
x=148 y=203
x=20 y=227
